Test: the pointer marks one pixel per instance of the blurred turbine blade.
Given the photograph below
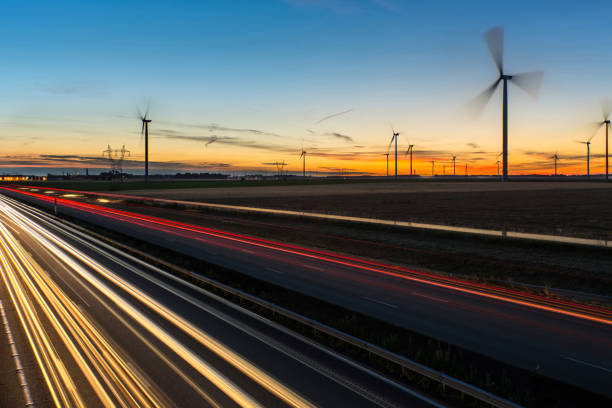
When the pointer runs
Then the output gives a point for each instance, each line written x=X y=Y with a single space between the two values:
x=529 y=82
x=606 y=108
x=593 y=128
x=495 y=41
x=390 y=143
x=142 y=131
x=477 y=104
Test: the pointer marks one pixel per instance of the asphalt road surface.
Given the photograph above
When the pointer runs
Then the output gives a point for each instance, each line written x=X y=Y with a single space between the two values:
x=566 y=341
x=110 y=330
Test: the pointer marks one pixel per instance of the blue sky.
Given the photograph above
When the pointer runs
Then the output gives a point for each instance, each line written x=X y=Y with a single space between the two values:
x=74 y=73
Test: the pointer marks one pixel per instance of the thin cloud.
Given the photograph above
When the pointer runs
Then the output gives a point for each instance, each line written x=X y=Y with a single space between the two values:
x=215 y=165
x=333 y=115
x=213 y=127
x=73 y=89
x=82 y=161
x=473 y=145
x=340 y=136
x=228 y=140
x=213 y=139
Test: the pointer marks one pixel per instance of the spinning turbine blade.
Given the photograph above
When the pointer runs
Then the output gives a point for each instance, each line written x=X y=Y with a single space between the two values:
x=390 y=143
x=594 y=128
x=606 y=108
x=476 y=105
x=495 y=41
x=529 y=82
x=142 y=131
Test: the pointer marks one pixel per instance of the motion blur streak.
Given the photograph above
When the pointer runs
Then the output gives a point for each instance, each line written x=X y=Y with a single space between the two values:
x=498 y=293
x=53 y=245
x=84 y=342
x=61 y=386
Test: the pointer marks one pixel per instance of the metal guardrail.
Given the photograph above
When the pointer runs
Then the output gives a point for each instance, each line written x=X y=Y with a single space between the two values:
x=502 y=234
x=403 y=362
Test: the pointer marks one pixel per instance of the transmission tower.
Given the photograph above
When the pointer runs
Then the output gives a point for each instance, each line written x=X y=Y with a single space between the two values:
x=115 y=159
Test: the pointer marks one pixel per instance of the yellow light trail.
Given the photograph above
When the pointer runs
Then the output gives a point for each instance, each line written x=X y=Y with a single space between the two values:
x=66 y=255
x=73 y=326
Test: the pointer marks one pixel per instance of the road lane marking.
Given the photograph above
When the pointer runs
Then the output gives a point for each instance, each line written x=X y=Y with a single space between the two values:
x=228 y=387
x=316 y=268
x=588 y=364
x=429 y=297
x=240 y=326
x=380 y=302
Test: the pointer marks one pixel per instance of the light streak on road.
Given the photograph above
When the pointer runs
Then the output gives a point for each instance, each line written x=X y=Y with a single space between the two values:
x=95 y=356
x=31 y=290
x=514 y=296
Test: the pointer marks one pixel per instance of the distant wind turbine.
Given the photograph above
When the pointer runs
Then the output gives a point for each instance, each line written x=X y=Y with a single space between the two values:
x=409 y=151
x=145 y=131
x=588 y=145
x=529 y=82
x=605 y=110
x=556 y=158
x=387 y=154
x=394 y=138
x=303 y=157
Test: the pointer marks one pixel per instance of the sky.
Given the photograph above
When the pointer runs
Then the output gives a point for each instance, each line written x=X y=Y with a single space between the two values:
x=236 y=86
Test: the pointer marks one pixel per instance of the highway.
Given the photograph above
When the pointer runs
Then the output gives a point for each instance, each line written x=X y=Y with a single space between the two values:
x=566 y=341
x=108 y=329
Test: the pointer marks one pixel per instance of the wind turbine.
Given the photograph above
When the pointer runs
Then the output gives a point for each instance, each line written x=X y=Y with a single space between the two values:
x=303 y=157
x=409 y=151
x=556 y=157
x=529 y=82
x=454 y=157
x=432 y=167
x=588 y=145
x=145 y=131
x=387 y=154
x=394 y=138
x=605 y=110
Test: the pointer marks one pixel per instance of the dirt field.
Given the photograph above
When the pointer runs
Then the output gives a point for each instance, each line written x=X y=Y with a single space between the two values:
x=563 y=208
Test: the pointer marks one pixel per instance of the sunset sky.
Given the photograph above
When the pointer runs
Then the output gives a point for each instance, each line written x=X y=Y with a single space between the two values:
x=233 y=85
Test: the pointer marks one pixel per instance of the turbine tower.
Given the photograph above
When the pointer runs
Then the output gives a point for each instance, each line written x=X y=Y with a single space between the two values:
x=454 y=158
x=394 y=138
x=387 y=154
x=409 y=151
x=145 y=131
x=588 y=145
x=605 y=110
x=432 y=167
x=556 y=157
x=303 y=157
x=529 y=82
